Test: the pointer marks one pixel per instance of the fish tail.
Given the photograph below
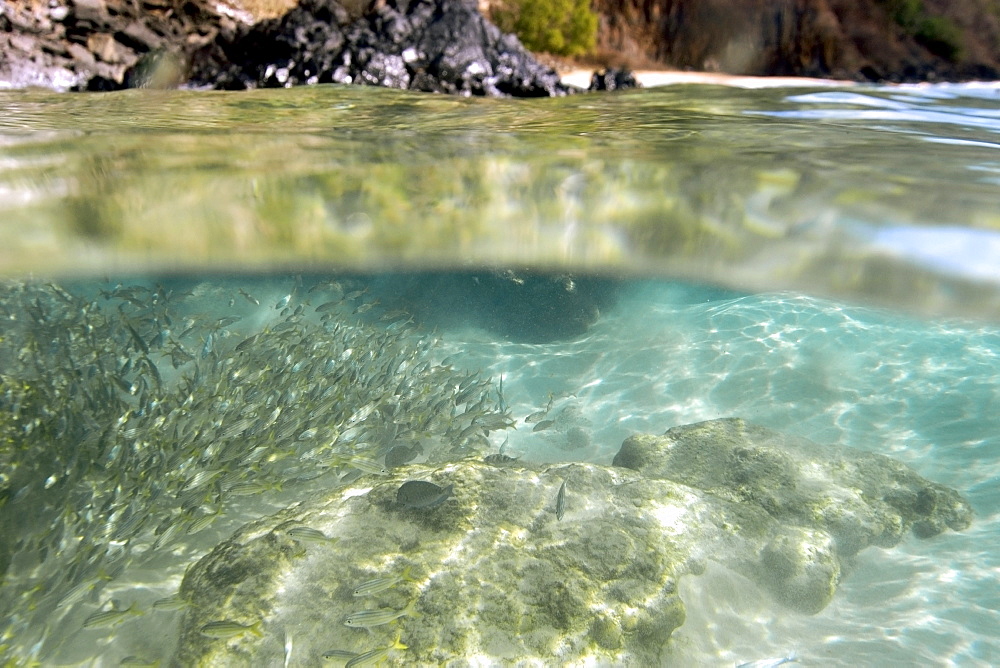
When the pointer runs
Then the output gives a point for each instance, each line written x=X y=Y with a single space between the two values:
x=410 y=609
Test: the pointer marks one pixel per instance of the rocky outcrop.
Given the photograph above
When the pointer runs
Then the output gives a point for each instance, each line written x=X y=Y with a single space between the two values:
x=813 y=507
x=512 y=566
x=446 y=45
x=848 y=39
x=76 y=44
x=441 y=46
x=797 y=481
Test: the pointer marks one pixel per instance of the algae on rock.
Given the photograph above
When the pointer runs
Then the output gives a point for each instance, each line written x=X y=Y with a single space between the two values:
x=815 y=506
x=494 y=574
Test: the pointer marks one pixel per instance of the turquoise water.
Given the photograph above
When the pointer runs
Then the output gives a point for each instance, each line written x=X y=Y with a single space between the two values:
x=821 y=262
x=667 y=354
x=922 y=392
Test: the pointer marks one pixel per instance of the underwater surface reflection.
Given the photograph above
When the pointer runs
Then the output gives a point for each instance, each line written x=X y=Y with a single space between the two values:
x=833 y=192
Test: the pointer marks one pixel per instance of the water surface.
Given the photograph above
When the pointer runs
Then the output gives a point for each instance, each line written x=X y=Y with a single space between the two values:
x=869 y=193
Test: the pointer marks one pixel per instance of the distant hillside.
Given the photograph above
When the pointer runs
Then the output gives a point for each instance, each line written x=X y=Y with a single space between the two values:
x=850 y=39
x=894 y=40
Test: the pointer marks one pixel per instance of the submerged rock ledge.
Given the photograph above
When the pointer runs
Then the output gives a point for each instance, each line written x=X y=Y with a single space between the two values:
x=493 y=572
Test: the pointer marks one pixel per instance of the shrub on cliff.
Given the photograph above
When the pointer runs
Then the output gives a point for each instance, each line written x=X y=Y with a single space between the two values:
x=561 y=27
x=937 y=34
x=940 y=36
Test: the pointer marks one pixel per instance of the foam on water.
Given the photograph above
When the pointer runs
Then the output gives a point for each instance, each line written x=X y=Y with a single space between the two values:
x=924 y=393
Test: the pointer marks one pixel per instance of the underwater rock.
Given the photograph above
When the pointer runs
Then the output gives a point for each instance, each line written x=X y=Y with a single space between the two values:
x=493 y=574
x=818 y=505
x=440 y=46
x=496 y=574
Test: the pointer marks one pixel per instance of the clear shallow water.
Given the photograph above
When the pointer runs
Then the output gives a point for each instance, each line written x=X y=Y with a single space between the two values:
x=787 y=197
x=667 y=354
x=922 y=392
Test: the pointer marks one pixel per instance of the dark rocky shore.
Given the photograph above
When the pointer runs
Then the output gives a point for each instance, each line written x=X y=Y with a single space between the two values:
x=448 y=46
x=443 y=46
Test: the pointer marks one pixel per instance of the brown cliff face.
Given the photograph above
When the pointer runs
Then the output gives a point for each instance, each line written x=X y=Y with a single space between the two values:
x=851 y=39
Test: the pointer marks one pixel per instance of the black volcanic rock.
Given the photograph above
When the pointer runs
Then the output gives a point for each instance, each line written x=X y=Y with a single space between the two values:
x=613 y=78
x=441 y=46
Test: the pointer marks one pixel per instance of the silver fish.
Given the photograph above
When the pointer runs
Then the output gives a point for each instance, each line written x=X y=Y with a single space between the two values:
x=544 y=424
x=310 y=535
x=494 y=421
x=369 y=618
x=170 y=603
x=247 y=488
x=228 y=629
x=374 y=656
x=379 y=585
x=339 y=655
x=250 y=298
x=561 y=501
x=328 y=306
x=537 y=416
x=367 y=464
x=107 y=618
x=367 y=306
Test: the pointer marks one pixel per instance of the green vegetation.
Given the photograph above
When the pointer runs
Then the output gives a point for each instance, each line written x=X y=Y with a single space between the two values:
x=905 y=12
x=561 y=27
x=937 y=34
x=940 y=36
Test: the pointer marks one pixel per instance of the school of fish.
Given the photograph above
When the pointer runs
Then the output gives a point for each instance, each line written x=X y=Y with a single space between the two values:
x=135 y=417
